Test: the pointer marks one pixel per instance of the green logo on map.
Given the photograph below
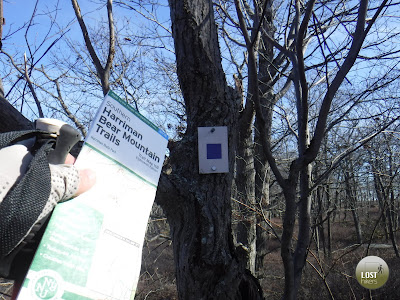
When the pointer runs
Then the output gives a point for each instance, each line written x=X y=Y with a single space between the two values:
x=46 y=285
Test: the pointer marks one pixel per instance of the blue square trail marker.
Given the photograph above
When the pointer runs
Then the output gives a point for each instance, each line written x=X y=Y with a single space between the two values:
x=213 y=149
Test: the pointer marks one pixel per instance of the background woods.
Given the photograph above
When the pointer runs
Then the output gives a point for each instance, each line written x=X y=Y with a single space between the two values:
x=309 y=93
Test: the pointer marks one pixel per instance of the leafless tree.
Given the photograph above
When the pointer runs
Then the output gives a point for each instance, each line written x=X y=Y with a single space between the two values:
x=385 y=171
x=309 y=31
x=295 y=76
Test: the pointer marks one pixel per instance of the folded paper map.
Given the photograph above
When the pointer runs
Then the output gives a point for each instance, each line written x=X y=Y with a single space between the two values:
x=93 y=244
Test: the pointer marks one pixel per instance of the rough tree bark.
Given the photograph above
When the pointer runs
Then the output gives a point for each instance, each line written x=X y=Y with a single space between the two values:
x=267 y=73
x=245 y=229
x=198 y=207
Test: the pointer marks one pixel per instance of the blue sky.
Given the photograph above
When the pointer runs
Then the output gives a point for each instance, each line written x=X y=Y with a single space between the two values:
x=19 y=12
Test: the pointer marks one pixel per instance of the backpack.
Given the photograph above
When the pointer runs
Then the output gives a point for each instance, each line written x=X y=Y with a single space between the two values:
x=20 y=231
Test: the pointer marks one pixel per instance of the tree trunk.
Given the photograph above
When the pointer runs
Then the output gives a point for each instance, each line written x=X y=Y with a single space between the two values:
x=319 y=228
x=268 y=99
x=198 y=206
x=387 y=207
x=381 y=200
x=286 y=244
x=352 y=199
x=390 y=209
x=245 y=228
x=262 y=182
x=262 y=195
x=391 y=231
x=303 y=237
x=329 y=218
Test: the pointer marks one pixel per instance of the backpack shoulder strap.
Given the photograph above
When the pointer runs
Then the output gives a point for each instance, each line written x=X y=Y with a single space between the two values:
x=24 y=203
x=7 y=138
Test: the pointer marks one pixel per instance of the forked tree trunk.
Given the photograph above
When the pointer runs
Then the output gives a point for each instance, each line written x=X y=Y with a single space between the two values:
x=198 y=207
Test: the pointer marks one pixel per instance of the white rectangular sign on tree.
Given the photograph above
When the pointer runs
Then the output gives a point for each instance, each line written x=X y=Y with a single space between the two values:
x=213 y=149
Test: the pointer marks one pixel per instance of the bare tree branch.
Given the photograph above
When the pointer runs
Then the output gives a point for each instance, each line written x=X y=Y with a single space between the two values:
x=35 y=97
x=103 y=73
x=336 y=162
x=60 y=99
x=358 y=39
